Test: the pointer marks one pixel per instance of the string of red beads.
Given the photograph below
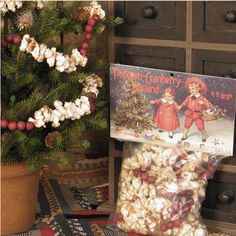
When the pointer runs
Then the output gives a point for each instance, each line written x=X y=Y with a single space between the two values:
x=88 y=34
x=13 y=125
x=10 y=38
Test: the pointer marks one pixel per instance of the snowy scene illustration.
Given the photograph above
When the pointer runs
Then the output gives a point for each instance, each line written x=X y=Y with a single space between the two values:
x=172 y=108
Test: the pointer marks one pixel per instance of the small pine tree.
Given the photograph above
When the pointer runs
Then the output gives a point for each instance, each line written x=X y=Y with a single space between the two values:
x=28 y=85
x=132 y=110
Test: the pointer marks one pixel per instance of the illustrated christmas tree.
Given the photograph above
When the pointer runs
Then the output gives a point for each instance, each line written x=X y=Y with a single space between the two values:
x=49 y=90
x=132 y=110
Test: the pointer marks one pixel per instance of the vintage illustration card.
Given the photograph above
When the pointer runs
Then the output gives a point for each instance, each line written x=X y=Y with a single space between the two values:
x=172 y=108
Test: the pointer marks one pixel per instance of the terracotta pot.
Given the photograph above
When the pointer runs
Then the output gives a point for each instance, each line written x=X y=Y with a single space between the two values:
x=19 y=192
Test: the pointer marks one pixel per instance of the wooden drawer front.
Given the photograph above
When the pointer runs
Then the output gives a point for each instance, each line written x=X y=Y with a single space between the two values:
x=214 y=63
x=214 y=21
x=215 y=209
x=167 y=19
x=154 y=57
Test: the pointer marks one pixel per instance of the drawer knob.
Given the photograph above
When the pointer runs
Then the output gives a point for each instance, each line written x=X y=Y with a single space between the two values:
x=149 y=12
x=230 y=16
x=226 y=197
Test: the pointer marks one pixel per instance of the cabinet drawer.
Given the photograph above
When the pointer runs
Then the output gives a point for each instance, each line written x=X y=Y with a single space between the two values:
x=149 y=56
x=152 y=19
x=220 y=201
x=214 y=21
x=214 y=63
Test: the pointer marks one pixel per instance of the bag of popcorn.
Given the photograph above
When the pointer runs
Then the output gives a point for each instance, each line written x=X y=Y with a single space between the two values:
x=161 y=190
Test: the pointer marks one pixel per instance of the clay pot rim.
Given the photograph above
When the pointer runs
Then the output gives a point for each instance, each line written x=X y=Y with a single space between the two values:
x=12 y=171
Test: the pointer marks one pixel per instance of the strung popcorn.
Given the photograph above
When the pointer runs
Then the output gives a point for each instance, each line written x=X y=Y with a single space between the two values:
x=96 y=9
x=8 y=5
x=70 y=110
x=91 y=83
x=161 y=190
x=63 y=63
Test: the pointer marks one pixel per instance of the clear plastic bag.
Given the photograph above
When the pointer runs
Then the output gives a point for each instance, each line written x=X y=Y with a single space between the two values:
x=161 y=190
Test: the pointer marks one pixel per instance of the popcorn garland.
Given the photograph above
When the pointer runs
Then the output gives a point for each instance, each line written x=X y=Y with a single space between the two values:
x=13 y=5
x=160 y=190
x=9 y=5
x=65 y=63
x=70 y=110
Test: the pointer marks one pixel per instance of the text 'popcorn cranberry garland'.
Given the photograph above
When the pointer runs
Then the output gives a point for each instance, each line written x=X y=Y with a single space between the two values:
x=65 y=63
x=161 y=190
x=70 y=110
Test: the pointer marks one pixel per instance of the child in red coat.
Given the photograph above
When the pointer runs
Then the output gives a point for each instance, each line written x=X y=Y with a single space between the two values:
x=195 y=103
x=166 y=115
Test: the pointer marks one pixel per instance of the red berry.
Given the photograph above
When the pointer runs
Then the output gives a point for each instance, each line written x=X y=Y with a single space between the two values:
x=186 y=207
x=21 y=125
x=9 y=38
x=12 y=125
x=169 y=225
x=211 y=162
x=83 y=52
x=144 y=176
x=88 y=36
x=136 y=172
x=92 y=96
x=96 y=18
x=182 y=193
x=119 y=217
x=190 y=201
x=177 y=223
x=85 y=45
x=91 y=22
x=211 y=170
x=92 y=107
x=4 y=43
x=88 y=28
x=29 y=125
x=4 y=124
x=16 y=39
x=163 y=227
x=152 y=179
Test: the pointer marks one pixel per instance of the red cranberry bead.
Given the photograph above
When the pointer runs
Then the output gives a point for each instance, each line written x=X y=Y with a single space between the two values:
x=163 y=227
x=152 y=179
x=92 y=96
x=12 y=125
x=119 y=217
x=92 y=107
x=88 y=28
x=144 y=176
x=85 y=45
x=21 y=125
x=29 y=125
x=136 y=172
x=177 y=222
x=83 y=52
x=16 y=39
x=9 y=38
x=4 y=43
x=4 y=124
x=91 y=22
x=88 y=36
x=96 y=18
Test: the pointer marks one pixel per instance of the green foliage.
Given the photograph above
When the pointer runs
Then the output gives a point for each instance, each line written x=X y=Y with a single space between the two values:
x=28 y=85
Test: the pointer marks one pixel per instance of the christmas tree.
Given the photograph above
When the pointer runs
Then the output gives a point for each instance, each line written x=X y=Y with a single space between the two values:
x=132 y=110
x=49 y=93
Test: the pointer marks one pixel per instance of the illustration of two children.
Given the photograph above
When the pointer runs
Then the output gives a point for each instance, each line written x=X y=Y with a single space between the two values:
x=166 y=116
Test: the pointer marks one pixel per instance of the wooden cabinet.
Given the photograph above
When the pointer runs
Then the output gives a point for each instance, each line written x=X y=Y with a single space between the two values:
x=214 y=21
x=165 y=58
x=191 y=36
x=152 y=19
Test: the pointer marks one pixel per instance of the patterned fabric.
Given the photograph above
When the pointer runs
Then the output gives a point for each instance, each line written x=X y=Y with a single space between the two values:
x=68 y=210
